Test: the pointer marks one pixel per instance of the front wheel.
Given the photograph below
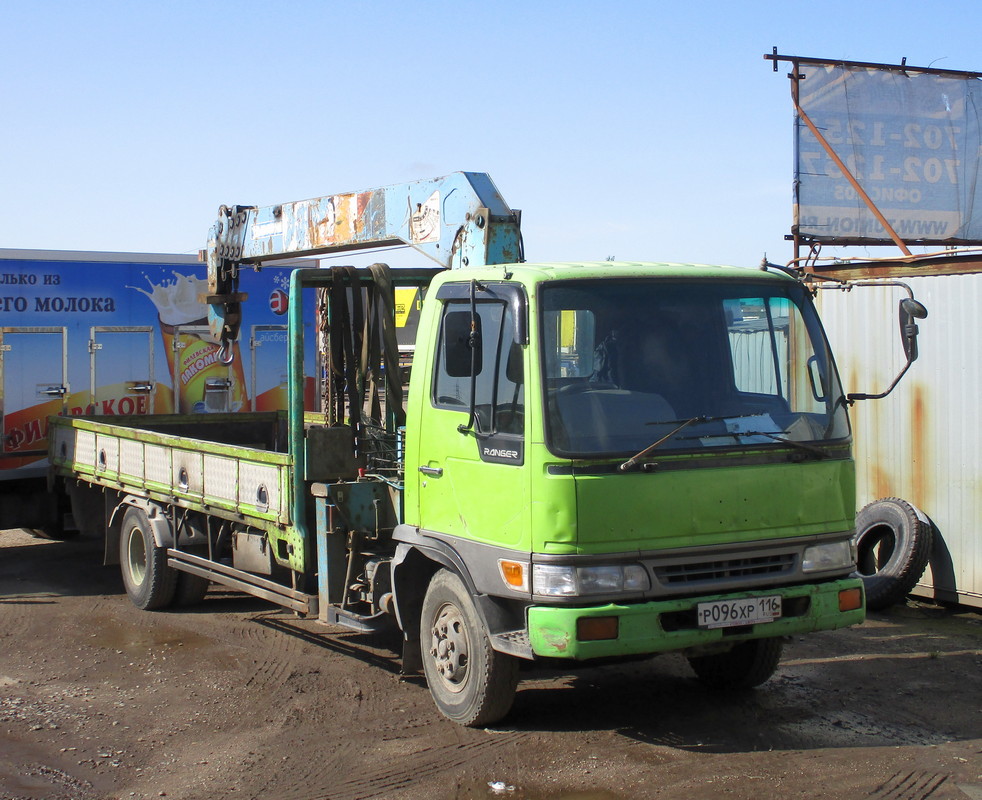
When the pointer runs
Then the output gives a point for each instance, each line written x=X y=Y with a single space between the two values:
x=471 y=683
x=746 y=665
x=149 y=582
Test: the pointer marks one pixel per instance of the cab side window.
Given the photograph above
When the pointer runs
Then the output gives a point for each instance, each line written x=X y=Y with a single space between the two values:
x=480 y=348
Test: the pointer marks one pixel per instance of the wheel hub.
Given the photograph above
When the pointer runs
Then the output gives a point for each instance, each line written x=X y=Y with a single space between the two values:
x=449 y=646
x=137 y=556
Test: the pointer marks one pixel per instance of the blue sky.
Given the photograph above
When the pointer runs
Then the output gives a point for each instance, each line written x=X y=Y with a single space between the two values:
x=638 y=130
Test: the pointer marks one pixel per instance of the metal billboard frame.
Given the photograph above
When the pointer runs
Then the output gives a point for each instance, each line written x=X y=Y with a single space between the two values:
x=949 y=261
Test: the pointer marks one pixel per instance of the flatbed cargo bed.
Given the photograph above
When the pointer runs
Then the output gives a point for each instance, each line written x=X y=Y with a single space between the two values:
x=227 y=464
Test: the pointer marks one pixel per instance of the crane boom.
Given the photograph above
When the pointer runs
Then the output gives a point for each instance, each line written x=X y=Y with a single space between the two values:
x=460 y=220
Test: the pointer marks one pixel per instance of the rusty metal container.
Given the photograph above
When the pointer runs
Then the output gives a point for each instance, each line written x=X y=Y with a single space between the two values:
x=922 y=443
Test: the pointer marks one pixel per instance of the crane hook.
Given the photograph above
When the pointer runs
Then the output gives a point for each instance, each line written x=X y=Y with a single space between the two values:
x=226 y=354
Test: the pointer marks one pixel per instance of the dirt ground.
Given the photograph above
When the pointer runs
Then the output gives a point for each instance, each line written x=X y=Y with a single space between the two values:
x=237 y=699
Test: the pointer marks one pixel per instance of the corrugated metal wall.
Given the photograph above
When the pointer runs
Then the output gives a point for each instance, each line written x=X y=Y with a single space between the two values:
x=923 y=443
x=753 y=361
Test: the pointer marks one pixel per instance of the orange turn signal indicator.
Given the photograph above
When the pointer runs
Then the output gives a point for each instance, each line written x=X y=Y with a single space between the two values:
x=593 y=629
x=514 y=574
x=850 y=599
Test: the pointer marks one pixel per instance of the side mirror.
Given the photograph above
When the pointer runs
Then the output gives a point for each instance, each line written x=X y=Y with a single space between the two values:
x=910 y=310
x=461 y=345
x=817 y=380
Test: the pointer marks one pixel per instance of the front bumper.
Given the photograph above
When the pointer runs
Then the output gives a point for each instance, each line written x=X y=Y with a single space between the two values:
x=668 y=625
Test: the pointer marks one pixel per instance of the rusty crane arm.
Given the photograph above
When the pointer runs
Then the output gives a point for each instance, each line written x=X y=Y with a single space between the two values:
x=459 y=220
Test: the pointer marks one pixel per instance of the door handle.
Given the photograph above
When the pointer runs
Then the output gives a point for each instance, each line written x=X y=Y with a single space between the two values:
x=435 y=472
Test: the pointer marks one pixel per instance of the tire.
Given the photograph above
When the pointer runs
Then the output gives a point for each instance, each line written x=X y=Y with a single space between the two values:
x=149 y=582
x=471 y=683
x=51 y=524
x=893 y=545
x=55 y=533
x=54 y=528
x=190 y=590
x=746 y=665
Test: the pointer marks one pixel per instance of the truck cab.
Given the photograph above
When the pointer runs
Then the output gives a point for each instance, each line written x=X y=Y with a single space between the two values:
x=624 y=459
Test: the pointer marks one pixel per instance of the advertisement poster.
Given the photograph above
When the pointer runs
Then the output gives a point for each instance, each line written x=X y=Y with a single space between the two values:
x=128 y=337
x=912 y=140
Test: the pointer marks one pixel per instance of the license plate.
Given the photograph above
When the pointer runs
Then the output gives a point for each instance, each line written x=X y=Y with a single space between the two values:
x=746 y=611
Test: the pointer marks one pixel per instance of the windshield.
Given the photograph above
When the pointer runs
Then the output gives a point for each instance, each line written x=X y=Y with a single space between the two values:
x=627 y=362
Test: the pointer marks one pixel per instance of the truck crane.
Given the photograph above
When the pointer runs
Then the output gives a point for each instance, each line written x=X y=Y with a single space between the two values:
x=597 y=461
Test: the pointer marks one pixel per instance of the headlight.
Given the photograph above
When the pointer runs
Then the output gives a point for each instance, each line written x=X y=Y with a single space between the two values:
x=568 y=581
x=825 y=557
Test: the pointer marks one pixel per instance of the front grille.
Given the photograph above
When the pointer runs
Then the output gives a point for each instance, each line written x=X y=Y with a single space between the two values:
x=733 y=569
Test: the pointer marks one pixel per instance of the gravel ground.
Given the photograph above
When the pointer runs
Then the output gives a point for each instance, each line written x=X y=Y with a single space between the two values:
x=237 y=699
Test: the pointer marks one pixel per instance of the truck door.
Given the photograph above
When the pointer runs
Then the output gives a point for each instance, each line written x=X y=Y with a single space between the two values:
x=121 y=374
x=472 y=482
x=268 y=381
x=33 y=384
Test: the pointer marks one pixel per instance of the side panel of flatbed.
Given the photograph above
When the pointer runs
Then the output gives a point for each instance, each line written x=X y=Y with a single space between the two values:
x=237 y=482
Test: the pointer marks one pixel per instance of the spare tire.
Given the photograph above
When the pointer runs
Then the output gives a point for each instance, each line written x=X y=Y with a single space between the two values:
x=893 y=545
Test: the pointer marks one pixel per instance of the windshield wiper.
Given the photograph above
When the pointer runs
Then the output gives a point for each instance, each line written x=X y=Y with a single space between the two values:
x=704 y=418
x=633 y=460
x=808 y=448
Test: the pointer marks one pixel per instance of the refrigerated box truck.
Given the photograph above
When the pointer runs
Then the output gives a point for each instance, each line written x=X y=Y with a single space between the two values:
x=107 y=334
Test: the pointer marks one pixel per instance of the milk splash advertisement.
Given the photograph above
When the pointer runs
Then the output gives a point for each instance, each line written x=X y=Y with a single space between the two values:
x=127 y=337
x=192 y=352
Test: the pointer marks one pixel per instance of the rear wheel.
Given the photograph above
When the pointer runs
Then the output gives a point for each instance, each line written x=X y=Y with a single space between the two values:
x=471 y=683
x=746 y=665
x=149 y=582
x=56 y=532
x=191 y=589
x=52 y=509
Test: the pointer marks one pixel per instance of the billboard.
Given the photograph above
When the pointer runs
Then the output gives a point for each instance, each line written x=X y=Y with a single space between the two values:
x=911 y=140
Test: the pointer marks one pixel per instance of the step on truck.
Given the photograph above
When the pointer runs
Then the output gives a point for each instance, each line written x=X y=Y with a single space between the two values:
x=596 y=461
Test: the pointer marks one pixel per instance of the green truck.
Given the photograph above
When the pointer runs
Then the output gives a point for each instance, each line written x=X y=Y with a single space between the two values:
x=596 y=461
